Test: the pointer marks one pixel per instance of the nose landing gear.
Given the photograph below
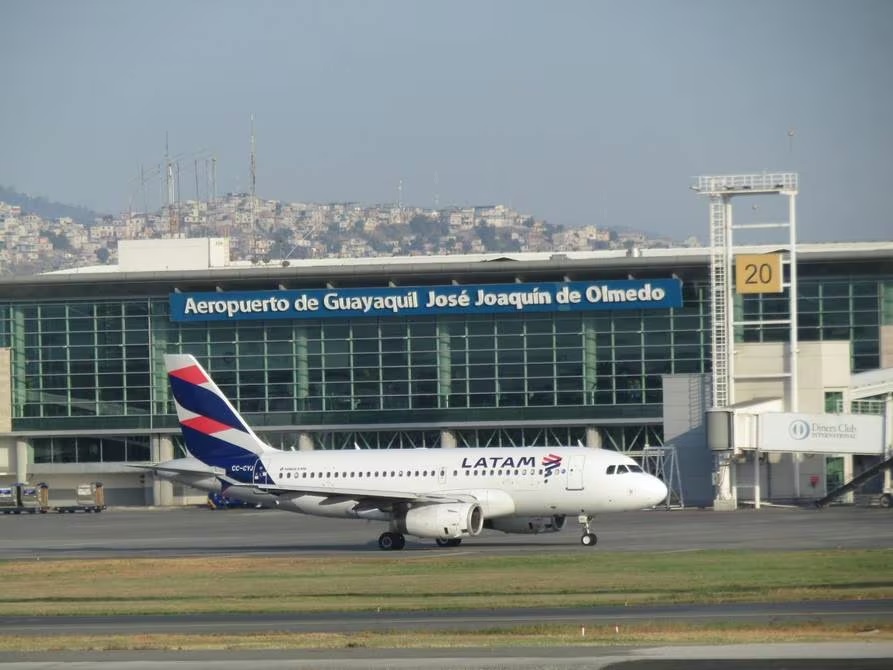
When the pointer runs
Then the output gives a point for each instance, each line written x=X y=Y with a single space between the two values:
x=588 y=539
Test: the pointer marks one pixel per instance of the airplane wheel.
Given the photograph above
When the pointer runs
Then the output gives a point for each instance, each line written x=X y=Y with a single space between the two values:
x=452 y=542
x=886 y=500
x=391 y=541
x=588 y=540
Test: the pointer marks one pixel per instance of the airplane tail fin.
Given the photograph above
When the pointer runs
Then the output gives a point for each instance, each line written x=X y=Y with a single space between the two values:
x=214 y=432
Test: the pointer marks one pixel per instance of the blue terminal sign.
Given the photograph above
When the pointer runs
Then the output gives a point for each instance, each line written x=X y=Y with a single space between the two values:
x=427 y=300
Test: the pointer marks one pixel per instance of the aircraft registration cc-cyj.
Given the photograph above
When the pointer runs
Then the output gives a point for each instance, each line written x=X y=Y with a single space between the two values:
x=441 y=494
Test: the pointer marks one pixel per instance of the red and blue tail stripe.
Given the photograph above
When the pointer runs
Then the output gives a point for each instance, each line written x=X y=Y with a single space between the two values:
x=213 y=430
x=207 y=405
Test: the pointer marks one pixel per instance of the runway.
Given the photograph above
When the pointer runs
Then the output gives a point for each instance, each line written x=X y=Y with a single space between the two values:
x=199 y=532
x=247 y=532
x=813 y=656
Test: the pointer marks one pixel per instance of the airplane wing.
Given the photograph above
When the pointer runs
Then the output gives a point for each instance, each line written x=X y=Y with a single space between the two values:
x=366 y=495
x=371 y=498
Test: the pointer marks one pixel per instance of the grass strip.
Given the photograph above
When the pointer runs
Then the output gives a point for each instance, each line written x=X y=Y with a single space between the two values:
x=437 y=580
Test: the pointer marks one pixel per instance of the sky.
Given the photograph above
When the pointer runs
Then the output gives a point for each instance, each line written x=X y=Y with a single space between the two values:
x=577 y=112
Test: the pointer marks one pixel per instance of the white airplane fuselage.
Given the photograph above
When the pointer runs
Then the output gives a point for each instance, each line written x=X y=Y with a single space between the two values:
x=505 y=481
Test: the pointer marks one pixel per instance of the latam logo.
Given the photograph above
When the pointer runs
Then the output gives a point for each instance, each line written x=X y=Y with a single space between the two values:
x=799 y=429
x=551 y=463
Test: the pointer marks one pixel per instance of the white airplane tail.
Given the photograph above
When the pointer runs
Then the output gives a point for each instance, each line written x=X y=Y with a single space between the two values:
x=214 y=431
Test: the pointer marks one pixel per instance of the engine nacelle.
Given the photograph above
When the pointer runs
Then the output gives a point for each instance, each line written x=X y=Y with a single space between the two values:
x=527 y=525
x=444 y=520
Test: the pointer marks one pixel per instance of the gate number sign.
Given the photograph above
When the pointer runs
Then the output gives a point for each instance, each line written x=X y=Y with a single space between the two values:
x=758 y=273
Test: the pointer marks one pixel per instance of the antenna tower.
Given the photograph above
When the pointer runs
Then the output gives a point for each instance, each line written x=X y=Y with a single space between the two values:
x=252 y=204
x=172 y=217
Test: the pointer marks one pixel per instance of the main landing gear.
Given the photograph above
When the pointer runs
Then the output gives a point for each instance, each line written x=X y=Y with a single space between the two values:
x=588 y=538
x=391 y=541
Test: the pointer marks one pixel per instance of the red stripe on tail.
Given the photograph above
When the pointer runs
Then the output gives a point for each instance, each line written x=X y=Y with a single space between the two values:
x=193 y=374
x=205 y=425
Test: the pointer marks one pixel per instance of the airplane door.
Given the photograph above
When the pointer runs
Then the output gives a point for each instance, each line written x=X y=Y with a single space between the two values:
x=259 y=474
x=575 y=472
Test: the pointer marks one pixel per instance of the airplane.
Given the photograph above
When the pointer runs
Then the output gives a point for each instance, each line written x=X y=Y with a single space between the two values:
x=440 y=494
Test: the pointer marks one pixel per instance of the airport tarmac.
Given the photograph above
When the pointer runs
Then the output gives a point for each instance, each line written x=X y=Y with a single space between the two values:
x=199 y=531
x=813 y=656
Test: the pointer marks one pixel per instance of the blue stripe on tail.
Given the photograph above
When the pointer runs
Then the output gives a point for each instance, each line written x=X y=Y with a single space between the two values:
x=205 y=402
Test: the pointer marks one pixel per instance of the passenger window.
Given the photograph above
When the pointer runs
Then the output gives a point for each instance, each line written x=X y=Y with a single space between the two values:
x=455 y=473
x=610 y=470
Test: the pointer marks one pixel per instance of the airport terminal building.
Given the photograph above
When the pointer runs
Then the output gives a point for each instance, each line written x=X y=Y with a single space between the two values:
x=607 y=349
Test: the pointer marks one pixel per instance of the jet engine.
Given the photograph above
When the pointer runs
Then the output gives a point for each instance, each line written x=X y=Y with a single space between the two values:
x=443 y=520
x=527 y=525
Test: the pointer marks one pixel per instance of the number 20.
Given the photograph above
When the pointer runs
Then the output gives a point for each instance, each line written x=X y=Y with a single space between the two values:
x=757 y=274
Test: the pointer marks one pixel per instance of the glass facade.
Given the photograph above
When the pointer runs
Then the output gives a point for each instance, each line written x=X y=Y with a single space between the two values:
x=832 y=309
x=94 y=362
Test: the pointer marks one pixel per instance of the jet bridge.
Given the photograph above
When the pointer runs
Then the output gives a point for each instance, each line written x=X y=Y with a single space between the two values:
x=762 y=427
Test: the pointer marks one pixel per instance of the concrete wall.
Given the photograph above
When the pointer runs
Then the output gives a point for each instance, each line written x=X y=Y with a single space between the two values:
x=887 y=346
x=887 y=325
x=5 y=390
x=686 y=399
x=821 y=366
x=7 y=444
x=173 y=254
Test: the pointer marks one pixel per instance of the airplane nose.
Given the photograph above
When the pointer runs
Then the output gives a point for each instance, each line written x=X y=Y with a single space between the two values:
x=657 y=491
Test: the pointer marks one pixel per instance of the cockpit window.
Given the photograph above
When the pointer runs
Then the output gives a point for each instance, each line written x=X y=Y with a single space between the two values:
x=620 y=469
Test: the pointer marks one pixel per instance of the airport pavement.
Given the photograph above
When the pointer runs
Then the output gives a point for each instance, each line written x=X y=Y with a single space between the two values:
x=200 y=531
x=813 y=656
